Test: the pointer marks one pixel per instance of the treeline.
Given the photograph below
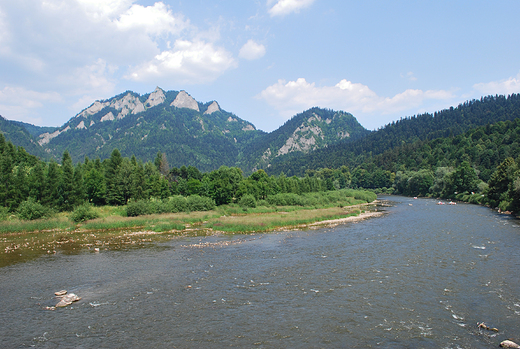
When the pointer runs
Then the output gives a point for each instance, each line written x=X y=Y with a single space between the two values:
x=445 y=124
x=480 y=166
x=119 y=180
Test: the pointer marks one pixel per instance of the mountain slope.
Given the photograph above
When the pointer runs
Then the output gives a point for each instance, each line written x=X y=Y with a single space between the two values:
x=306 y=132
x=17 y=133
x=446 y=123
x=188 y=132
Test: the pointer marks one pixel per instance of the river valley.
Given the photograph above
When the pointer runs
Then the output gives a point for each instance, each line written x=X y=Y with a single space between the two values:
x=420 y=276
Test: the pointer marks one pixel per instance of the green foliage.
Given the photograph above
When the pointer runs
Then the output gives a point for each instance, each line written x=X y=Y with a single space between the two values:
x=247 y=201
x=30 y=210
x=83 y=213
x=138 y=208
x=200 y=203
x=4 y=213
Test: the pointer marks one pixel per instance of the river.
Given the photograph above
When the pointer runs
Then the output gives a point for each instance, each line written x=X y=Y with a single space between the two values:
x=420 y=276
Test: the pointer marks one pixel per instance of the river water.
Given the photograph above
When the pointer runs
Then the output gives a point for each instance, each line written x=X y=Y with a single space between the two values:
x=421 y=276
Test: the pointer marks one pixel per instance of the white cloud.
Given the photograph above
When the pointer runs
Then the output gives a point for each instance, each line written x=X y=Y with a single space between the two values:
x=98 y=9
x=21 y=104
x=285 y=7
x=502 y=87
x=153 y=20
x=252 y=50
x=96 y=78
x=189 y=62
x=293 y=97
x=410 y=76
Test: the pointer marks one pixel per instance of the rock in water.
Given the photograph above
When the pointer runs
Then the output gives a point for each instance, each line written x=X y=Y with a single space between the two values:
x=60 y=293
x=509 y=344
x=67 y=300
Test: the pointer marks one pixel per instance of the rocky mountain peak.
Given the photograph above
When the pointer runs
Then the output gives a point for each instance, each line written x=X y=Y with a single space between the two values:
x=156 y=97
x=213 y=107
x=184 y=100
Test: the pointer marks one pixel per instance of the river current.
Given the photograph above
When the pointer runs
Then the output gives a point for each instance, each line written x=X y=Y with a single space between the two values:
x=421 y=276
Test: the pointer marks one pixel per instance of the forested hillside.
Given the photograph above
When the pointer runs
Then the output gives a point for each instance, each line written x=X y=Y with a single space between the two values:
x=446 y=123
x=188 y=132
x=306 y=132
x=469 y=153
x=17 y=133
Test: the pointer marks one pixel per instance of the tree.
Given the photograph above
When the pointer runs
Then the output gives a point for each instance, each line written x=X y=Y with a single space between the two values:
x=66 y=198
x=501 y=181
x=114 y=192
x=224 y=184
x=95 y=187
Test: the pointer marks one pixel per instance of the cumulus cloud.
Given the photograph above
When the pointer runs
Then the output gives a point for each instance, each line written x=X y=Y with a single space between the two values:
x=93 y=79
x=292 y=97
x=189 y=62
x=502 y=87
x=98 y=9
x=83 y=48
x=252 y=50
x=20 y=104
x=153 y=20
x=285 y=7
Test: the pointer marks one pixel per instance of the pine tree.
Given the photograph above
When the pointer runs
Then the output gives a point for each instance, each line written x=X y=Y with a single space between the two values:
x=114 y=195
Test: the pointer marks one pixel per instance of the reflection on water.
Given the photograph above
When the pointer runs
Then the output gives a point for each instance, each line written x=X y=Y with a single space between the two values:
x=421 y=276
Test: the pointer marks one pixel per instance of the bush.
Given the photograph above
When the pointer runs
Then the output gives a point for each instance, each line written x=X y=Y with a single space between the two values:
x=83 y=213
x=200 y=203
x=176 y=203
x=138 y=208
x=262 y=203
x=247 y=201
x=4 y=213
x=30 y=209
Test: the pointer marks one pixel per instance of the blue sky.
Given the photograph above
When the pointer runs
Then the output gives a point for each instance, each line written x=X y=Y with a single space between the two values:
x=263 y=60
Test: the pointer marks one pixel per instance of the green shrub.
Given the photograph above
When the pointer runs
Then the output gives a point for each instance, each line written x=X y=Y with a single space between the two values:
x=176 y=203
x=262 y=203
x=138 y=208
x=200 y=203
x=247 y=201
x=4 y=213
x=30 y=209
x=83 y=213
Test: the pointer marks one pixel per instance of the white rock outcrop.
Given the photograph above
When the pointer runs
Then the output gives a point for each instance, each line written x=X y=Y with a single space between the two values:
x=108 y=117
x=81 y=125
x=46 y=137
x=213 y=107
x=184 y=100
x=156 y=97
x=302 y=139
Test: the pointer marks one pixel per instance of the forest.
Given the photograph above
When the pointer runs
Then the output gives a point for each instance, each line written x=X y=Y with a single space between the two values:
x=33 y=188
x=470 y=160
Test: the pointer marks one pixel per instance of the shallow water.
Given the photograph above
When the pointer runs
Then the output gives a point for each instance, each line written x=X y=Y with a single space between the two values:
x=421 y=276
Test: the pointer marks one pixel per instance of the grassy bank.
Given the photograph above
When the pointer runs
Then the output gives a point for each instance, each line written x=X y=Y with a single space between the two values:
x=22 y=240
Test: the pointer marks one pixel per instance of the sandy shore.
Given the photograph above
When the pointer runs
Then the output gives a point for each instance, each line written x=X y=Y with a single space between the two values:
x=361 y=216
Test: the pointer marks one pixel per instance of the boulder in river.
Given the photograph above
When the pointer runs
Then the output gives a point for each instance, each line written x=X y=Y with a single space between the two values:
x=67 y=300
x=509 y=344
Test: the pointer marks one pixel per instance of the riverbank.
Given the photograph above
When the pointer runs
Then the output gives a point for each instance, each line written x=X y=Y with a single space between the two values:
x=115 y=232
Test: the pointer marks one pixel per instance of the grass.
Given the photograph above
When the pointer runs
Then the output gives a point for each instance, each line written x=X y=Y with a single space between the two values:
x=26 y=240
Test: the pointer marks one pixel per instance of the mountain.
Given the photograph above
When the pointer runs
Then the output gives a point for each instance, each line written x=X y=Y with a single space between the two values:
x=306 y=132
x=18 y=134
x=188 y=132
x=447 y=123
